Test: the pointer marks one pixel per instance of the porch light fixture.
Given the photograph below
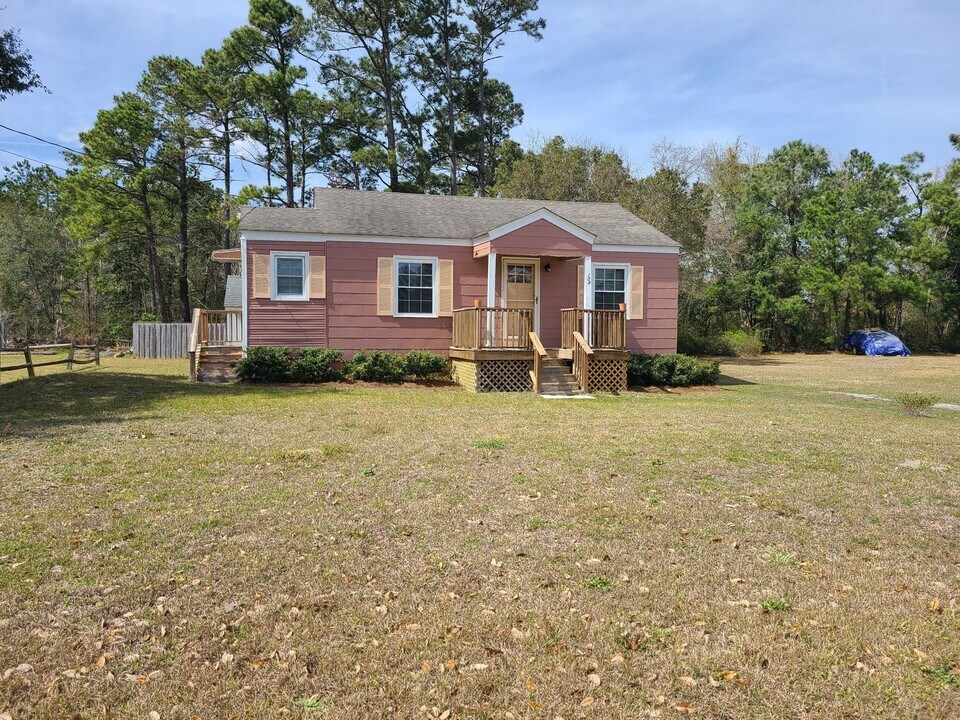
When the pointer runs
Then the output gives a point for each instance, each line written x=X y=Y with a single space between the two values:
x=547 y=268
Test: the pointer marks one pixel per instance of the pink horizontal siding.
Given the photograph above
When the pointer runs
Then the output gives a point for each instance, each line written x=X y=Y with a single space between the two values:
x=292 y=323
x=541 y=237
x=656 y=334
x=348 y=320
x=352 y=298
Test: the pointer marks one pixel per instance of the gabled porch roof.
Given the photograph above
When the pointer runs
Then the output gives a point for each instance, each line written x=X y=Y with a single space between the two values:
x=542 y=233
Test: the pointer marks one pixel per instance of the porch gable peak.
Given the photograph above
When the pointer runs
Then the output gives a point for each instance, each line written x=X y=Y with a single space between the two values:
x=541 y=214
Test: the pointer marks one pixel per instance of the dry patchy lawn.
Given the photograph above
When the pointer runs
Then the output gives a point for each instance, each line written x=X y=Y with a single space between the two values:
x=762 y=550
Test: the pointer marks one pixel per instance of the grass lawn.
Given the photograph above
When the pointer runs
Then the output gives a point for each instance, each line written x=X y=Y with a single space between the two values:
x=760 y=550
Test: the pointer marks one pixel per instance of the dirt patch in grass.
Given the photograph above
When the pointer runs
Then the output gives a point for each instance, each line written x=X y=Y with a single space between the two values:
x=358 y=551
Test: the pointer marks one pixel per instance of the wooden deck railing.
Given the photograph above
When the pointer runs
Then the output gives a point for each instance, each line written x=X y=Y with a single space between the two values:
x=483 y=328
x=539 y=353
x=604 y=329
x=582 y=353
x=216 y=327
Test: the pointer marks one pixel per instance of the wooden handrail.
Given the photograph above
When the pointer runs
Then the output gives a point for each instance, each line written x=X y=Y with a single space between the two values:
x=605 y=329
x=215 y=327
x=578 y=338
x=537 y=345
x=582 y=352
x=195 y=330
x=539 y=352
x=486 y=328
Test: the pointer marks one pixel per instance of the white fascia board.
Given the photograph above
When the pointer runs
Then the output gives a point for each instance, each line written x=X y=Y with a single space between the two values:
x=541 y=214
x=266 y=235
x=666 y=250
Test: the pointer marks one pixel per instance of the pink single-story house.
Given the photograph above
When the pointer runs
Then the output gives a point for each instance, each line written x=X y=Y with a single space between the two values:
x=480 y=280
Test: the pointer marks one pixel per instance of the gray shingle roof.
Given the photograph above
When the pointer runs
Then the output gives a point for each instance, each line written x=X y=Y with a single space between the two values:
x=384 y=214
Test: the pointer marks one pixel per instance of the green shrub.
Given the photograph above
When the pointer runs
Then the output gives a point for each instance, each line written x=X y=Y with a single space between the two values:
x=916 y=403
x=671 y=370
x=742 y=343
x=691 y=343
x=265 y=365
x=689 y=371
x=423 y=363
x=317 y=365
x=377 y=366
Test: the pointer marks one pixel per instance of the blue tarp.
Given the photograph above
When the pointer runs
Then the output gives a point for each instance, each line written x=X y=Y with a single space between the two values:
x=876 y=342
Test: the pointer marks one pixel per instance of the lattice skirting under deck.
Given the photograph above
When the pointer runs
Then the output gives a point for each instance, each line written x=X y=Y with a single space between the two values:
x=493 y=375
x=608 y=375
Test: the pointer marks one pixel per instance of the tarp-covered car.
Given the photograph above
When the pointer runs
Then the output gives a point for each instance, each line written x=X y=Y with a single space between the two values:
x=876 y=342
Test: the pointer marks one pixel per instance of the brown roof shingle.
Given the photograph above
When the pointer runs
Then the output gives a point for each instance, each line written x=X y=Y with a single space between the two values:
x=384 y=214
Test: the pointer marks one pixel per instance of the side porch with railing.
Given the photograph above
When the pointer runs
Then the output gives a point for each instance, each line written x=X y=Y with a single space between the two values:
x=216 y=341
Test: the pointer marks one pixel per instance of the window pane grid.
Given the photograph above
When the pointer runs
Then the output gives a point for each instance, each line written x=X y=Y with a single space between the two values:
x=415 y=288
x=609 y=286
x=520 y=274
x=289 y=275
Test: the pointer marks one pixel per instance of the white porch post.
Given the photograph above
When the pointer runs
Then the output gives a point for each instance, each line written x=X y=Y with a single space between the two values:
x=243 y=296
x=491 y=295
x=588 y=298
x=491 y=279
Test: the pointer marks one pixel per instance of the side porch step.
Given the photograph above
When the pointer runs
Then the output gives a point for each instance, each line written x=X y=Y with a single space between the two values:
x=215 y=363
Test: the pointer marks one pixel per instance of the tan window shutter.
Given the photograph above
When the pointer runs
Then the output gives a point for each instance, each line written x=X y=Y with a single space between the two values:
x=579 y=286
x=261 y=275
x=636 y=292
x=318 y=277
x=445 y=281
x=385 y=286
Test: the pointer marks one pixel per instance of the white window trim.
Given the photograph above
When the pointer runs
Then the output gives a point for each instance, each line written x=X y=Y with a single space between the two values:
x=435 y=261
x=626 y=280
x=299 y=297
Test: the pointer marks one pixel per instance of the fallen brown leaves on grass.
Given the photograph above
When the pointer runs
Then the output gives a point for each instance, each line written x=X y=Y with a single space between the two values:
x=350 y=552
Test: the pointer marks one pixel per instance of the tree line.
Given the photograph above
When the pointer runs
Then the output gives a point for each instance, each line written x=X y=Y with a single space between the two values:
x=364 y=94
x=793 y=248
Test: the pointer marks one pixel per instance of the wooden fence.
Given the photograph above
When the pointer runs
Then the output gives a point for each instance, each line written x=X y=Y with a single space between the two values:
x=35 y=356
x=161 y=340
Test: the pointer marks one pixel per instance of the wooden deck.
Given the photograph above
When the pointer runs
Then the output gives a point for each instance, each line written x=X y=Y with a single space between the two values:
x=495 y=349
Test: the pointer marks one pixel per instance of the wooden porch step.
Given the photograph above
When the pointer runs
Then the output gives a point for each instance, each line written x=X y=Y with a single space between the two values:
x=215 y=363
x=556 y=378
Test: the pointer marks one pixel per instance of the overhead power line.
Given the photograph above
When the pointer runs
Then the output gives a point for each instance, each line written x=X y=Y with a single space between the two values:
x=40 y=139
x=34 y=160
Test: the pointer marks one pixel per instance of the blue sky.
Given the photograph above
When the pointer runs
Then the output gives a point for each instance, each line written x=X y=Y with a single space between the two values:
x=880 y=75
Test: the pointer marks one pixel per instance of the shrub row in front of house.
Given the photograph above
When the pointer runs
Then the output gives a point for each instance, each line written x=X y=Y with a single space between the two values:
x=263 y=364
x=671 y=370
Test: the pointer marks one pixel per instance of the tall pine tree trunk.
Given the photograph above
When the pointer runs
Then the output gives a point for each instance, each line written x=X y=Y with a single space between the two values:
x=183 y=207
x=226 y=191
x=158 y=298
x=482 y=131
x=289 y=178
x=390 y=123
x=451 y=113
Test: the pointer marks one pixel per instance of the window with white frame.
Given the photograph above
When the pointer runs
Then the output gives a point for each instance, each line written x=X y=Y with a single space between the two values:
x=290 y=275
x=609 y=286
x=416 y=286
